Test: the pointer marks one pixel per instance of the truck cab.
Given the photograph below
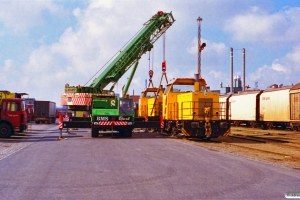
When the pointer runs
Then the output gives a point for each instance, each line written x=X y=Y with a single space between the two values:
x=30 y=112
x=112 y=113
x=12 y=116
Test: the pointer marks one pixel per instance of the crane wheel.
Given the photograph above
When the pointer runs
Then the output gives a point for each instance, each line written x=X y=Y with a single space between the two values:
x=95 y=133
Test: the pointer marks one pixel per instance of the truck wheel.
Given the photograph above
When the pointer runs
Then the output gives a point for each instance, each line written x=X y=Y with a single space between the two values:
x=95 y=133
x=122 y=133
x=5 y=131
x=128 y=133
x=125 y=133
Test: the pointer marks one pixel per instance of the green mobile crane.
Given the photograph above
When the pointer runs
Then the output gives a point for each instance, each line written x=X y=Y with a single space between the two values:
x=109 y=112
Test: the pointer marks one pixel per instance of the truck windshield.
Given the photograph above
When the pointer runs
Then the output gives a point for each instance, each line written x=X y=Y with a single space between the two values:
x=12 y=106
x=126 y=106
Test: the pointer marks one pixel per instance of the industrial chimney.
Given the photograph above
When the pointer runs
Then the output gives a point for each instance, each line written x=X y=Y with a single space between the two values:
x=243 y=68
x=231 y=70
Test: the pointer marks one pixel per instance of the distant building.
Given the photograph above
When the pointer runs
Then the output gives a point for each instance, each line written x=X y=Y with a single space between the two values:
x=135 y=98
x=237 y=86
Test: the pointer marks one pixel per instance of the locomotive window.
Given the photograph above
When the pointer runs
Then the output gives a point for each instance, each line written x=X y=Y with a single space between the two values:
x=150 y=94
x=167 y=89
x=183 y=88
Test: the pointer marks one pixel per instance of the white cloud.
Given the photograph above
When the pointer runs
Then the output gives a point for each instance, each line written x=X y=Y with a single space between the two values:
x=217 y=74
x=258 y=26
x=211 y=49
x=21 y=15
x=284 y=70
x=103 y=27
x=99 y=4
x=294 y=58
x=278 y=67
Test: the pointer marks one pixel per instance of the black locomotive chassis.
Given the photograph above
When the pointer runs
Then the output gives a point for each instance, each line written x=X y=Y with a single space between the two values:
x=197 y=128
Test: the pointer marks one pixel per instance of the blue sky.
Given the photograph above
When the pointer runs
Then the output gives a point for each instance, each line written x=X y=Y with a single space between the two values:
x=46 y=44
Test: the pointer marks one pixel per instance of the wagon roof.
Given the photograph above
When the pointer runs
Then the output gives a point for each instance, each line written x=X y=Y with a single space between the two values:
x=295 y=87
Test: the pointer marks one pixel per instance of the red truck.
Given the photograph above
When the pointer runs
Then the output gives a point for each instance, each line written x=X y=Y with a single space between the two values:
x=29 y=108
x=12 y=114
x=29 y=112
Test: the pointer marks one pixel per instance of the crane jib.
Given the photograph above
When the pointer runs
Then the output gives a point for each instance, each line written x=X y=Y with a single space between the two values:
x=142 y=43
x=138 y=46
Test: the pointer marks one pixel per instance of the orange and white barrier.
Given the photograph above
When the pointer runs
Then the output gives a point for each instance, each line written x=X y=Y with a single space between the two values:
x=60 y=126
x=161 y=122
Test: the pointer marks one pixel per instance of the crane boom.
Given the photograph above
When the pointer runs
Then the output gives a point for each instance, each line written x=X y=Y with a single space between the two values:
x=131 y=54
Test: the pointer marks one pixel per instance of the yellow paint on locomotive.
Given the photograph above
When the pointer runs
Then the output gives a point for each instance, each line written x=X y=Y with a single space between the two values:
x=147 y=101
x=190 y=104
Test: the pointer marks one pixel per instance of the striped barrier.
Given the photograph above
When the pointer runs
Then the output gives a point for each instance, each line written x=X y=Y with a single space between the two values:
x=115 y=123
x=60 y=122
x=67 y=119
x=60 y=127
x=161 y=122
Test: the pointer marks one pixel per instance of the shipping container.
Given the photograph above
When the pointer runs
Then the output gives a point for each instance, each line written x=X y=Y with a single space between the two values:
x=225 y=109
x=275 y=105
x=45 y=112
x=295 y=107
x=245 y=108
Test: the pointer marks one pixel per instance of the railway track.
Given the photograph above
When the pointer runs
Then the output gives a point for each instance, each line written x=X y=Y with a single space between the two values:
x=283 y=134
x=289 y=138
x=277 y=142
x=276 y=146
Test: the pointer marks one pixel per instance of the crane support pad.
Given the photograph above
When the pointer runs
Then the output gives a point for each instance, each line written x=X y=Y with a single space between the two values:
x=78 y=124
x=149 y=124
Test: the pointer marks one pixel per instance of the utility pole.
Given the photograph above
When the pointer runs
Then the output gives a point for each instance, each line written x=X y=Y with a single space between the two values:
x=200 y=46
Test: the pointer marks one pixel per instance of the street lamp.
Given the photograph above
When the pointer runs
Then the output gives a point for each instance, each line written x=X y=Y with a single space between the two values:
x=200 y=46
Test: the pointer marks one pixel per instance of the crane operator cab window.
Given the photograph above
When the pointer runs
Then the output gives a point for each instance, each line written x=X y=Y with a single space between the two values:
x=126 y=106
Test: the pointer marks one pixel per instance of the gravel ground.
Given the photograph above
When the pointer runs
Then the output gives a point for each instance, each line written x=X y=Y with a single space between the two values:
x=286 y=153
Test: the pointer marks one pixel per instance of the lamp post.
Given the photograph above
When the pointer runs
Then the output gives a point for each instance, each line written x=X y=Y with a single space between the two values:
x=200 y=46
